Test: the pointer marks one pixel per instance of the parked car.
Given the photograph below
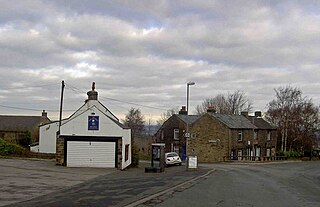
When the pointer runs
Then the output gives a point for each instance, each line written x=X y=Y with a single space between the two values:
x=172 y=158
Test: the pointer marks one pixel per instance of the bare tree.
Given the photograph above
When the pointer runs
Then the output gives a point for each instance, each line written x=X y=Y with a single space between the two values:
x=238 y=102
x=296 y=117
x=135 y=120
x=166 y=115
x=232 y=103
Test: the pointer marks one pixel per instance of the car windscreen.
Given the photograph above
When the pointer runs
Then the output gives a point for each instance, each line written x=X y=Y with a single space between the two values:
x=172 y=155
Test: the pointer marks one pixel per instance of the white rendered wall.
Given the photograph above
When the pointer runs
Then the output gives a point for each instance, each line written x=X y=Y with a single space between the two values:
x=126 y=139
x=47 y=138
x=77 y=125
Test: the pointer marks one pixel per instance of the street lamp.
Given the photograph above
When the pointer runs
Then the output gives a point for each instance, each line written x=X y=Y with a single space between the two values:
x=189 y=84
x=187 y=131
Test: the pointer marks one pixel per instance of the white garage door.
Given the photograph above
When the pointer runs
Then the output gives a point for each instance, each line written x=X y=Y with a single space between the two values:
x=91 y=154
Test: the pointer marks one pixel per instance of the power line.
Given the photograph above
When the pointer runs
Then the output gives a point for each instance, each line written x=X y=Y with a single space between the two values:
x=29 y=109
x=81 y=92
x=35 y=86
x=20 y=108
x=117 y=100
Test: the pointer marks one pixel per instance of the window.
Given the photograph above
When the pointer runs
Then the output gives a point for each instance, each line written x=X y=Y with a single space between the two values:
x=162 y=135
x=268 y=152
x=126 y=154
x=176 y=149
x=240 y=136
x=239 y=154
x=176 y=134
x=269 y=135
x=255 y=134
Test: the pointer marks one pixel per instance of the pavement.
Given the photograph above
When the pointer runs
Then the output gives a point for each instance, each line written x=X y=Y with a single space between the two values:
x=41 y=183
x=24 y=179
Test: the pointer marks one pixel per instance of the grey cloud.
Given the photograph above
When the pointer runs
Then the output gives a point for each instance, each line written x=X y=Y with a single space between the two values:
x=145 y=53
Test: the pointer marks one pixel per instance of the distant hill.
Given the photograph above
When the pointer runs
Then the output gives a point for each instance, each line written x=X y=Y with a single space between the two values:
x=151 y=129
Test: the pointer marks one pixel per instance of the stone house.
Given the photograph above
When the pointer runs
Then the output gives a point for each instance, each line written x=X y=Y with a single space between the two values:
x=218 y=137
x=263 y=145
x=173 y=132
x=15 y=128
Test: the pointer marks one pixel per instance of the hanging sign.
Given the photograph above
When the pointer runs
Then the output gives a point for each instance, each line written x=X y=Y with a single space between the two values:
x=93 y=122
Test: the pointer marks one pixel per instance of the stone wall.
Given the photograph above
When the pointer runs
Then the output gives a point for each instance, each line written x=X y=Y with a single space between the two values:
x=119 y=154
x=248 y=141
x=13 y=136
x=143 y=143
x=60 y=151
x=209 y=140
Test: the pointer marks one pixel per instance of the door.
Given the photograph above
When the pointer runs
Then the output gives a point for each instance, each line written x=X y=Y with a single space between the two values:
x=239 y=154
x=91 y=154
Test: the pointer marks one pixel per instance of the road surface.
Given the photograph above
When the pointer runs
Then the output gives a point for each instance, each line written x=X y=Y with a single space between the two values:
x=280 y=184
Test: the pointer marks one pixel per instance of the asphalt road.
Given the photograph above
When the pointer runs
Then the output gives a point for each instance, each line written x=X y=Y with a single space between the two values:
x=277 y=184
x=119 y=188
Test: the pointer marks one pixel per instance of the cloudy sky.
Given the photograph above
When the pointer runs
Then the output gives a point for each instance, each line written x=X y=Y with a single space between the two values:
x=142 y=53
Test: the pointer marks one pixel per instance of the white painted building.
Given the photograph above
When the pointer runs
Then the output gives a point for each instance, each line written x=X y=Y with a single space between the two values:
x=91 y=137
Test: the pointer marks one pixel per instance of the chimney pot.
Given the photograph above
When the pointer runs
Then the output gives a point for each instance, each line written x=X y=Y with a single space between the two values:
x=183 y=110
x=92 y=95
x=44 y=113
x=211 y=109
x=258 y=114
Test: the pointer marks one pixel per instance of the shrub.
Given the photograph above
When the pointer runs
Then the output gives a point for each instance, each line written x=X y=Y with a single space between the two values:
x=293 y=154
x=135 y=156
x=7 y=148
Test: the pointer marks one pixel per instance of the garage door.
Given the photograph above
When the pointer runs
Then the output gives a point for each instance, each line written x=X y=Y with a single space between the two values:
x=91 y=154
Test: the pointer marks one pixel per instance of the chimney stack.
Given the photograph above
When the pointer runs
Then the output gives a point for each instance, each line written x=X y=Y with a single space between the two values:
x=183 y=110
x=211 y=109
x=258 y=114
x=44 y=113
x=245 y=113
x=93 y=95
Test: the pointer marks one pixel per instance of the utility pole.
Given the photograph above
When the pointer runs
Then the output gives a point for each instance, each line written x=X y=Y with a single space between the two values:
x=61 y=102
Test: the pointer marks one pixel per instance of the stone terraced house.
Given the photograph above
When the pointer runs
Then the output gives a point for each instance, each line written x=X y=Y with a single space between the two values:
x=218 y=137
x=173 y=132
x=215 y=137
x=14 y=128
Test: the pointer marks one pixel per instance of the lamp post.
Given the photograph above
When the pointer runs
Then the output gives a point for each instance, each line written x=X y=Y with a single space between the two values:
x=187 y=131
x=189 y=84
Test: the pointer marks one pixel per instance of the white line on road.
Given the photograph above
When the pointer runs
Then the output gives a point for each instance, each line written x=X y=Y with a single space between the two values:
x=141 y=201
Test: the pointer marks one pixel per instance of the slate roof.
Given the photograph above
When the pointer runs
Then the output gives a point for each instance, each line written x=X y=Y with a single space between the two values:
x=261 y=123
x=188 y=119
x=234 y=121
x=20 y=123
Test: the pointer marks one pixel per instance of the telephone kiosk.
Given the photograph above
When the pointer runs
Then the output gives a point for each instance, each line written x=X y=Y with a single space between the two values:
x=157 y=158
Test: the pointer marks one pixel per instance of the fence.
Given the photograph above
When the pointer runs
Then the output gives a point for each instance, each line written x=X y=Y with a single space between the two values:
x=255 y=158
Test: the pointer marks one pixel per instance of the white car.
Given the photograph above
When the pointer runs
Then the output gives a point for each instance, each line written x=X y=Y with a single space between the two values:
x=172 y=158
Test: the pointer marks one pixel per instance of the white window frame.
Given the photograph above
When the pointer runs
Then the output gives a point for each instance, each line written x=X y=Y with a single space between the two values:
x=176 y=149
x=269 y=135
x=268 y=153
x=162 y=135
x=176 y=134
x=240 y=136
x=255 y=134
